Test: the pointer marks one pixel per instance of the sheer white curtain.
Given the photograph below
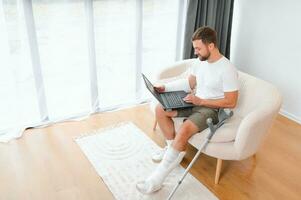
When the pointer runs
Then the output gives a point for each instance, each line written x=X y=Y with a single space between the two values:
x=19 y=99
x=64 y=59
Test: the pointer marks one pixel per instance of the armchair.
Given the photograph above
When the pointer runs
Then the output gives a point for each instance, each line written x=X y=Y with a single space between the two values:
x=240 y=137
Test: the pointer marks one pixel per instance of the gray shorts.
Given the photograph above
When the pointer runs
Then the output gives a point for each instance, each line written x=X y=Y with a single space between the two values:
x=198 y=115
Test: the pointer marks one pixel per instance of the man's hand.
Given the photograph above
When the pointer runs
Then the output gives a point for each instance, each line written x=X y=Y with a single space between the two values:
x=159 y=88
x=191 y=98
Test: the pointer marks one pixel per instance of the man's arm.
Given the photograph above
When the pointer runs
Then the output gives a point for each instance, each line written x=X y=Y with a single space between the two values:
x=181 y=84
x=229 y=101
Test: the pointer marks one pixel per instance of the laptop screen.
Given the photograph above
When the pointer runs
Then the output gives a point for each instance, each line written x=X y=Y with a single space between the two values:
x=151 y=88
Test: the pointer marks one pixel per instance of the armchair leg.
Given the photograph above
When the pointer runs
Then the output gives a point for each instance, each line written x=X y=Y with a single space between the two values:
x=155 y=125
x=218 y=170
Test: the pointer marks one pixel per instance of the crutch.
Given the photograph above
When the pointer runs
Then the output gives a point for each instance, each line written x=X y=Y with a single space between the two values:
x=222 y=117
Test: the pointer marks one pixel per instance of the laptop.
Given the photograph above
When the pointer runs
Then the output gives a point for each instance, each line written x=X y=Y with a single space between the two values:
x=169 y=100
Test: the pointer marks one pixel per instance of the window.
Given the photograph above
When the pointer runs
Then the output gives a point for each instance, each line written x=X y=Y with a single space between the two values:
x=60 y=58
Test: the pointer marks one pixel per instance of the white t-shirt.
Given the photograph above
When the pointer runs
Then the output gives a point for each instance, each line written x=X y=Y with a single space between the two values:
x=213 y=79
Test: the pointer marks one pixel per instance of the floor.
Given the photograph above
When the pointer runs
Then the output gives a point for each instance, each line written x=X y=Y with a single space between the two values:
x=47 y=164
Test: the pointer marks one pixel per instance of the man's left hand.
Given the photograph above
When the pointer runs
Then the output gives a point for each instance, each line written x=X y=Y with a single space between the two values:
x=191 y=98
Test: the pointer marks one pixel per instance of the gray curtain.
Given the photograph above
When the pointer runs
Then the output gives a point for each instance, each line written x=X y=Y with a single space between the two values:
x=216 y=14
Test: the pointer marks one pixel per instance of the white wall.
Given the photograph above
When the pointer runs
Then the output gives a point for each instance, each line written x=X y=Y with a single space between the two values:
x=266 y=42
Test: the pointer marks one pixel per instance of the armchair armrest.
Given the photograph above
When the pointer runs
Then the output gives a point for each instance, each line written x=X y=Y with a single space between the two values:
x=252 y=130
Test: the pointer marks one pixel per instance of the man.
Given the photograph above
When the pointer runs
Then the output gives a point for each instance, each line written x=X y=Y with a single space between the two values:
x=215 y=82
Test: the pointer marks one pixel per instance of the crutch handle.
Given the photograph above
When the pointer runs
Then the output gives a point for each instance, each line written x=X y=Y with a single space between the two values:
x=211 y=127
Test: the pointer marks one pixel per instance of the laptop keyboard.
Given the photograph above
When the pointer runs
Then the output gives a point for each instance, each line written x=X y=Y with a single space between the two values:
x=173 y=99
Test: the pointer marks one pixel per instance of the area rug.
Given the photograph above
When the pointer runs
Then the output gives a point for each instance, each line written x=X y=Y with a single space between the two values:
x=121 y=155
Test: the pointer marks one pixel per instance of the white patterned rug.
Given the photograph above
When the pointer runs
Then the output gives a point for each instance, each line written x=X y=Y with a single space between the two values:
x=121 y=155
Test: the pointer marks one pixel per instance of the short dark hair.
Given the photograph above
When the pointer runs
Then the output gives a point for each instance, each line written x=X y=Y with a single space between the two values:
x=206 y=34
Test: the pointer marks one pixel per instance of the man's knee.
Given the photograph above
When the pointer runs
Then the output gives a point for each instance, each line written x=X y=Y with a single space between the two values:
x=187 y=129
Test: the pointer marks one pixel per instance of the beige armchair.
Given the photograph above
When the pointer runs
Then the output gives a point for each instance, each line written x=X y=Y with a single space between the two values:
x=240 y=137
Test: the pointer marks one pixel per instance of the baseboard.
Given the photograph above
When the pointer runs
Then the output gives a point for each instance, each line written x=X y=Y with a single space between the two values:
x=290 y=116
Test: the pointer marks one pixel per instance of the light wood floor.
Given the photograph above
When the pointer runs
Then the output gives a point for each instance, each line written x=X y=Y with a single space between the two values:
x=47 y=164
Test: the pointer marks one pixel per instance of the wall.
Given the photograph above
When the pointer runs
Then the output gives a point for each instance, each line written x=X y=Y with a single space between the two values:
x=266 y=43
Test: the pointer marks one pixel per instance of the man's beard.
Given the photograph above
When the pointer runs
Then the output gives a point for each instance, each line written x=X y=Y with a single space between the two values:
x=204 y=58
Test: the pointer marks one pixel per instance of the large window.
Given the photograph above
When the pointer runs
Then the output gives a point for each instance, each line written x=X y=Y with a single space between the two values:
x=63 y=58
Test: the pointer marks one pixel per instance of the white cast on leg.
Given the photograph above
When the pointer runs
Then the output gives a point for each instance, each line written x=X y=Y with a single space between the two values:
x=171 y=159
